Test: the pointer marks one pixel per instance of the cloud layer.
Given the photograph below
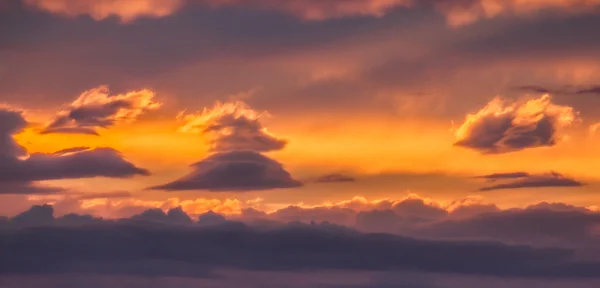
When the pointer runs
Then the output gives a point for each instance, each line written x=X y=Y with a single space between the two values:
x=502 y=127
x=457 y=12
x=96 y=108
x=526 y=180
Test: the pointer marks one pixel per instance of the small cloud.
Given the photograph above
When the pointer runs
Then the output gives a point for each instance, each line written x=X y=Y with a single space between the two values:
x=232 y=126
x=96 y=109
x=525 y=180
x=589 y=90
x=502 y=127
x=234 y=171
x=335 y=177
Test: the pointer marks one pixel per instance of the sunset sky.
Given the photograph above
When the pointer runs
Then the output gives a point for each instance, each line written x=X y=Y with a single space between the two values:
x=382 y=92
x=307 y=110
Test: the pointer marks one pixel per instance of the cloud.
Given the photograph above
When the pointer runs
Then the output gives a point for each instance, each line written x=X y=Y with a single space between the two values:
x=173 y=216
x=590 y=90
x=232 y=126
x=464 y=12
x=334 y=177
x=127 y=11
x=566 y=89
x=236 y=138
x=502 y=127
x=525 y=180
x=96 y=108
x=457 y=12
x=117 y=248
x=304 y=9
x=234 y=171
x=19 y=170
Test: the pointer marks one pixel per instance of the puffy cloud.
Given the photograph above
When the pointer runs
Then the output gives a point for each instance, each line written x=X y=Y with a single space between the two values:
x=232 y=126
x=234 y=171
x=322 y=9
x=457 y=12
x=130 y=10
x=96 y=108
x=211 y=218
x=173 y=216
x=334 y=177
x=463 y=12
x=502 y=127
x=19 y=171
x=525 y=180
x=101 y=9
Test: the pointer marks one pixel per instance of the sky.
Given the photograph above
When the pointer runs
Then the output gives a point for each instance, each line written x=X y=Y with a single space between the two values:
x=361 y=113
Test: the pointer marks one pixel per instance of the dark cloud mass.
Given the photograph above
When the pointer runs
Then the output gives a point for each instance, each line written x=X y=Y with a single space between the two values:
x=17 y=174
x=191 y=251
x=501 y=128
x=526 y=180
x=234 y=171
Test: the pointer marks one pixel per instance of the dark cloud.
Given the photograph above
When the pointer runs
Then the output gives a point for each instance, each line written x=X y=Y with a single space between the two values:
x=590 y=90
x=335 y=177
x=18 y=170
x=525 y=180
x=124 y=249
x=37 y=215
x=234 y=171
x=497 y=176
x=96 y=109
x=211 y=218
x=173 y=216
x=416 y=208
x=539 y=226
x=501 y=128
x=232 y=126
x=536 y=89
x=567 y=89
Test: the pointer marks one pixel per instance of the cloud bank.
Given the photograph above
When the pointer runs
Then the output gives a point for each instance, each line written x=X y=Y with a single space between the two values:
x=457 y=12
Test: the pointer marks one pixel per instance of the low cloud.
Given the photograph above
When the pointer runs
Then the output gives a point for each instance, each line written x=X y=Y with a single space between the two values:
x=19 y=170
x=96 y=108
x=502 y=127
x=526 y=180
x=234 y=171
x=334 y=177
x=192 y=251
